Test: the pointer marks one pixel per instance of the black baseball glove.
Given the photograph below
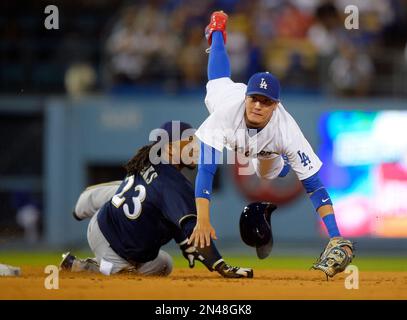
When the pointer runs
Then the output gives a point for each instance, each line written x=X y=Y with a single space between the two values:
x=191 y=254
x=227 y=271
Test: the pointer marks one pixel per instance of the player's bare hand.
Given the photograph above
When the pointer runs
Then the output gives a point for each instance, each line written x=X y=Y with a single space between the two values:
x=202 y=234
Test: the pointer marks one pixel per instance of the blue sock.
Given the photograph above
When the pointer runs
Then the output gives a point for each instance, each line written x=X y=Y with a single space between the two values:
x=331 y=226
x=218 y=64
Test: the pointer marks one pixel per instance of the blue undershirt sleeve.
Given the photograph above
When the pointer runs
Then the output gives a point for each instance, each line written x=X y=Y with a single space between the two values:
x=208 y=160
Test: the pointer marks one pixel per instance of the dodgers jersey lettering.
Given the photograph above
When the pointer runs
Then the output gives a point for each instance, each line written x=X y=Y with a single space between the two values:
x=144 y=213
x=226 y=128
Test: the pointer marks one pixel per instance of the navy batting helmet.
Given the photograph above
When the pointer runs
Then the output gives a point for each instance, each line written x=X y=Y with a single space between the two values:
x=255 y=227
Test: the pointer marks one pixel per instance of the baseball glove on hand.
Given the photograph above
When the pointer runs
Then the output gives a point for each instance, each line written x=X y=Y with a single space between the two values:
x=228 y=271
x=191 y=254
x=335 y=258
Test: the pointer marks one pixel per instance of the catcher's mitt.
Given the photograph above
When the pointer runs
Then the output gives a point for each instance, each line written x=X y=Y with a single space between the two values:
x=335 y=258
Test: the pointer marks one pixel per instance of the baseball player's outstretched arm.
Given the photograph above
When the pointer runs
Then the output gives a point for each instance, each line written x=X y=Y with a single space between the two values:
x=322 y=203
x=208 y=159
x=218 y=67
x=338 y=253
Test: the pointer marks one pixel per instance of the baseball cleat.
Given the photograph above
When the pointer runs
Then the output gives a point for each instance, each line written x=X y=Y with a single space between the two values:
x=67 y=261
x=217 y=23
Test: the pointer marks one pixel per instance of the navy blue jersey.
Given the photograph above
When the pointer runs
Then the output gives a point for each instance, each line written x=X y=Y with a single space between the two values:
x=145 y=212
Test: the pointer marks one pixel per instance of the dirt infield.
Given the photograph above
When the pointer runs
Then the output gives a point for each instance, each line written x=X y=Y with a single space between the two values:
x=200 y=284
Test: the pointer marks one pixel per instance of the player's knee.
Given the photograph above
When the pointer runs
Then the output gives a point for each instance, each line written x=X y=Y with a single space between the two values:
x=165 y=264
x=161 y=266
x=166 y=261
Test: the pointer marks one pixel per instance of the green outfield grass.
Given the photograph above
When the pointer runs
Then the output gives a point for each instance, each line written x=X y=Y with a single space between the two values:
x=277 y=262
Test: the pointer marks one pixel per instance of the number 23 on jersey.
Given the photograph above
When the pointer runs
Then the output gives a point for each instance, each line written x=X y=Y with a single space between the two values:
x=119 y=199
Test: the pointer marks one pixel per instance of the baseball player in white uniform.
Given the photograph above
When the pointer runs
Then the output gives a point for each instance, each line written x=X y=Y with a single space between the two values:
x=251 y=120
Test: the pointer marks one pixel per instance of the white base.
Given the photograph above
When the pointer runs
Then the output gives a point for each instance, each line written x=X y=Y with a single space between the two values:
x=6 y=270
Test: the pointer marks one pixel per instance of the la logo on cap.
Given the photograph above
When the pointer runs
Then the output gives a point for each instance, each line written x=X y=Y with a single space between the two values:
x=263 y=84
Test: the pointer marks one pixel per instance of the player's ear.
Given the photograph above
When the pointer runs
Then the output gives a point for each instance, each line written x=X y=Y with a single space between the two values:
x=167 y=152
x=173 y=152
x=169 y=149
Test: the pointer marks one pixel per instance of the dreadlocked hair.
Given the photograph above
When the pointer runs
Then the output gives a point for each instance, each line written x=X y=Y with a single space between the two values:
x=140 y=161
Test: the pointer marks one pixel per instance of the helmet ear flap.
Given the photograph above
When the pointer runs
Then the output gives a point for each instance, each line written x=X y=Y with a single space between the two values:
x=269 y=209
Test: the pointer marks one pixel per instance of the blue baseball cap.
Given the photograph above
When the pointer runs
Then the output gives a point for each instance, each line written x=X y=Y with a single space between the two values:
x=265 y=84
x=175 y=129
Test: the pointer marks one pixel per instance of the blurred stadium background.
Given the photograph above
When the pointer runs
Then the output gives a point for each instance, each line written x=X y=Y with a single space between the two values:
x=77 y=102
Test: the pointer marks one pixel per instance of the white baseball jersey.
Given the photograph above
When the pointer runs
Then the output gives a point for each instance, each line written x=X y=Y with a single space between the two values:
x=226 y=127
